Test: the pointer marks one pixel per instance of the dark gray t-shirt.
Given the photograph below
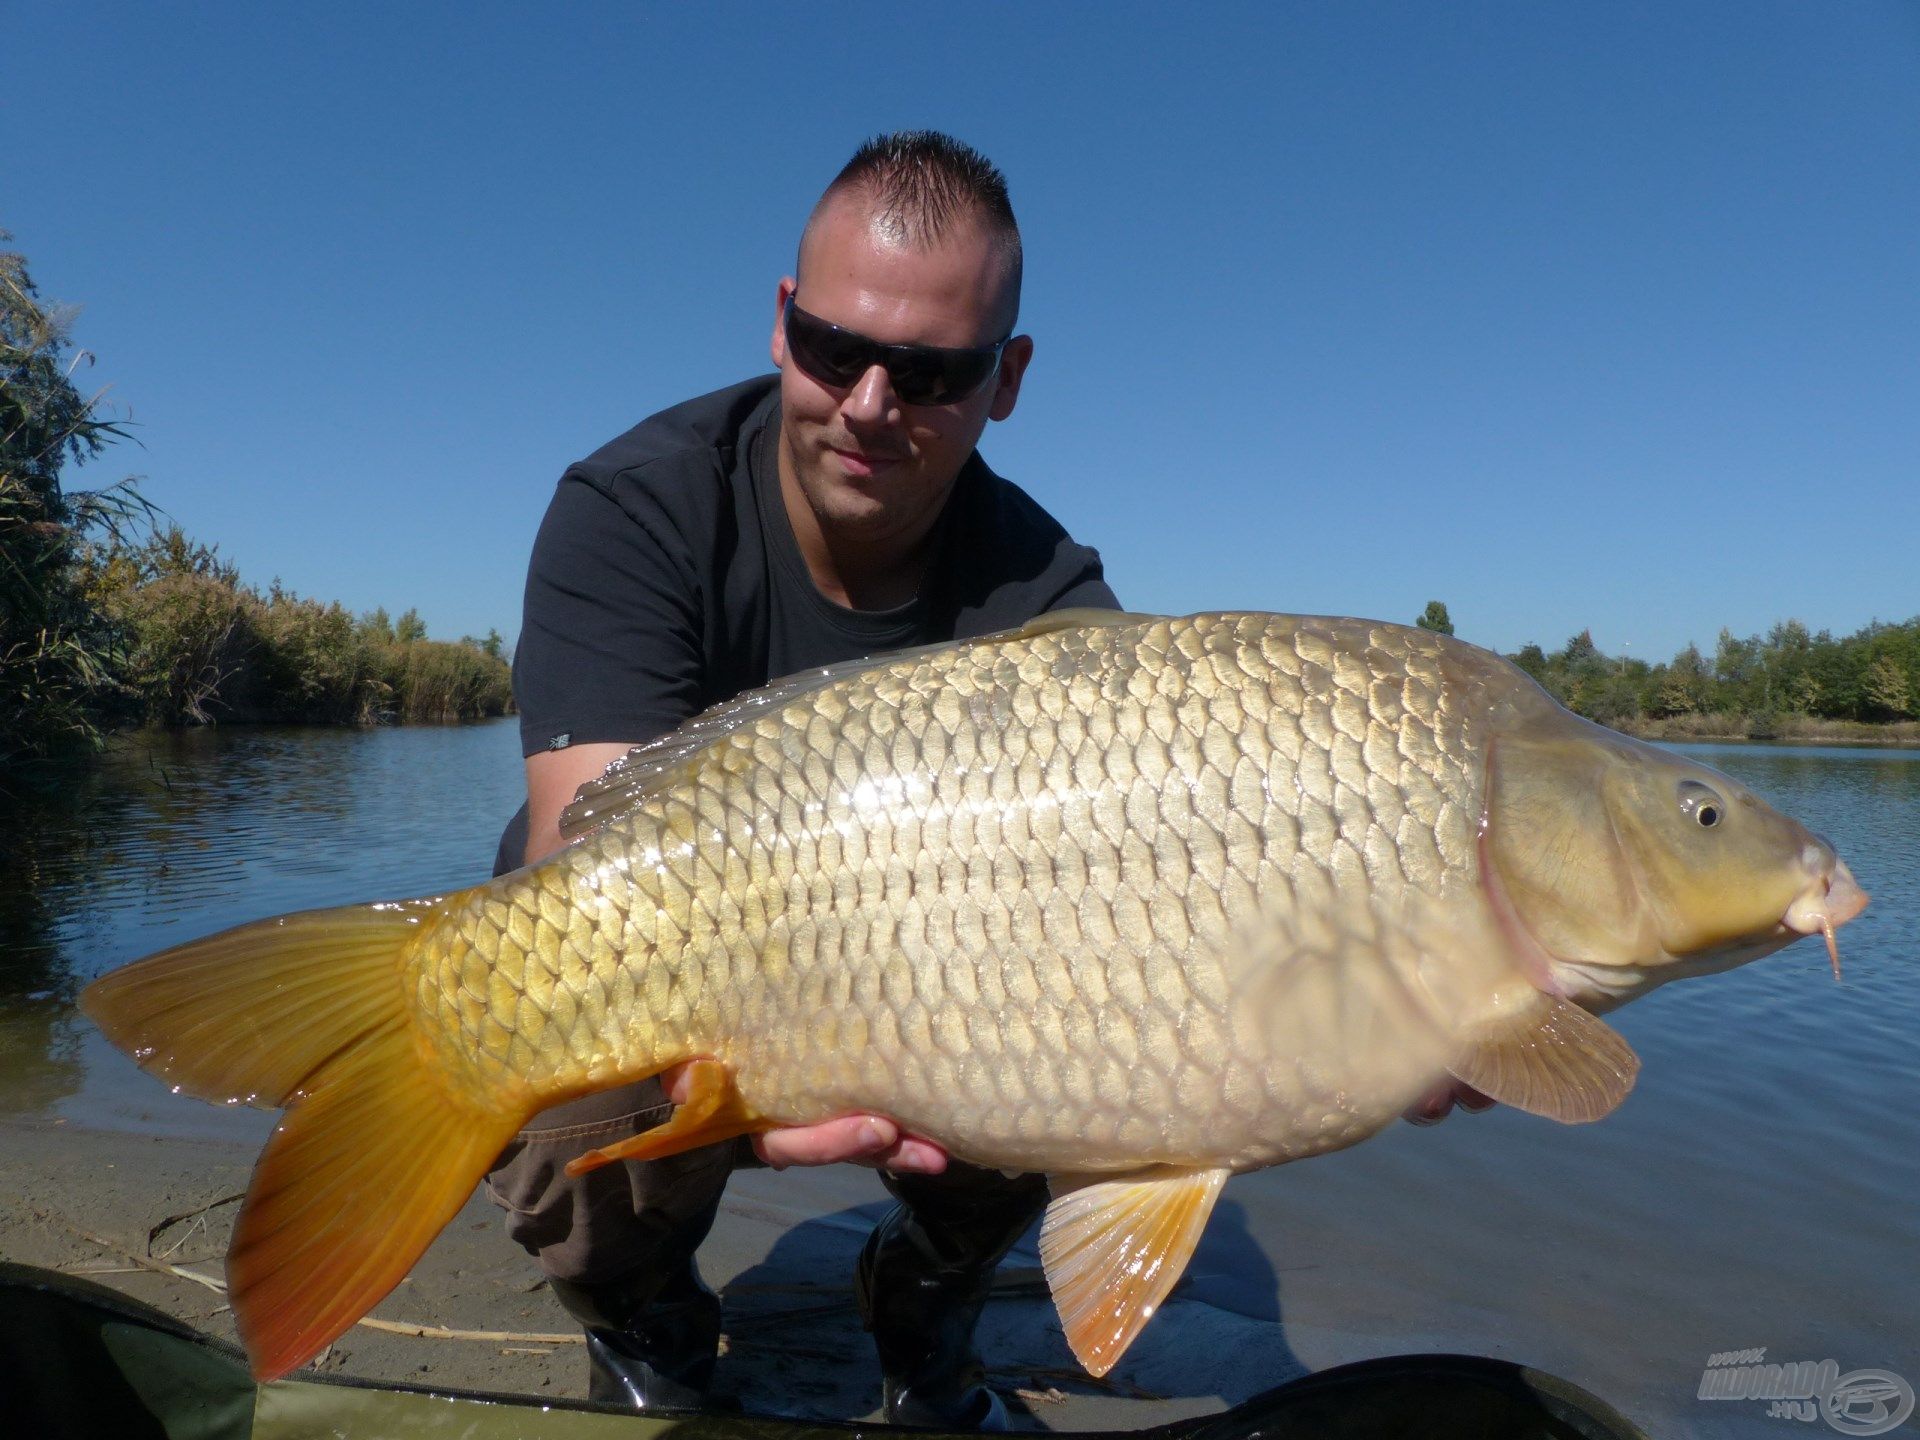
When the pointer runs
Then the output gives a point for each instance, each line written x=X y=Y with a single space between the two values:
x=666 y=579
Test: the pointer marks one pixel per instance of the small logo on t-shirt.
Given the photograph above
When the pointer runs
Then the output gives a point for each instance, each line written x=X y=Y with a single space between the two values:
x=561 y=741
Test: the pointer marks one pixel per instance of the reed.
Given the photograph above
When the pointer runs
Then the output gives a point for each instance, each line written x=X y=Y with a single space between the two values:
x=202 y=647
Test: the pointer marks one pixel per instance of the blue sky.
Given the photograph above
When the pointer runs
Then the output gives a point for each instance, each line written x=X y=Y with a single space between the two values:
x=1569 y=315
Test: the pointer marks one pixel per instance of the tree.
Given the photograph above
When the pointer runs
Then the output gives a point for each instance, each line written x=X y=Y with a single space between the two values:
x=1684 y=689
x=1435 y=618
x=1735 y=661
x=1806 y=694
x=409 y=628
x=1887 y=688
x=54 y=643
x=493 y=647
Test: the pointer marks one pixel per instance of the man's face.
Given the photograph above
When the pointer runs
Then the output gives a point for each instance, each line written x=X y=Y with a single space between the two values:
x=871 y=468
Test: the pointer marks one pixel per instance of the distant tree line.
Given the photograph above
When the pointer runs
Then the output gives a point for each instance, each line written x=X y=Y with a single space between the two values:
x=1753 y=686
x=1871 y=676
x=109 y=618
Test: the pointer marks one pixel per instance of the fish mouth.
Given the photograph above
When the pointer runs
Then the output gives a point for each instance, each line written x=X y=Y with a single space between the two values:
x=1833 y=900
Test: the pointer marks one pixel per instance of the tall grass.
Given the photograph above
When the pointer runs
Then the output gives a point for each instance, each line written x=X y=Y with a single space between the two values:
x=200 y=646
x=435 y=680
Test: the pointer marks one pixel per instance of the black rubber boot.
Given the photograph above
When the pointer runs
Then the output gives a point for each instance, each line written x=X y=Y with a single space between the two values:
x=651 y=1344
x=922 y=1281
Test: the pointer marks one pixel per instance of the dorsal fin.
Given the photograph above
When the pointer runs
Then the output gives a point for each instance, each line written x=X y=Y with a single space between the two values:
x=643 y=770
x=1080 y=617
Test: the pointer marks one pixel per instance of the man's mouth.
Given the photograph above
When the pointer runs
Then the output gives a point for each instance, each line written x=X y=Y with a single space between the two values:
x=863 y=462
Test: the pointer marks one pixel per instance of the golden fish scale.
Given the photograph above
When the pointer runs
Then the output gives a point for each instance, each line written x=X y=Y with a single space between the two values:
x=989 y=891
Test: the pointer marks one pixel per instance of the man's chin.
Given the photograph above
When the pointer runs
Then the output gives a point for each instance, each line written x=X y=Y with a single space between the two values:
x=843 y=497
x=850 y=513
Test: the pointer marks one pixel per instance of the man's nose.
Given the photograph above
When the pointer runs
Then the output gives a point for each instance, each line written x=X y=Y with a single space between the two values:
x=871 y=400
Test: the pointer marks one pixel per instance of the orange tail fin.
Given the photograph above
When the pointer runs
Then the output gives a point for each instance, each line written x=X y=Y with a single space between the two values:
x=377 y=1151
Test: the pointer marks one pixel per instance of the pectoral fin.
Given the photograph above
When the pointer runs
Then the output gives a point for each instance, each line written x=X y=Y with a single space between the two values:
x=1549 y=1058
x=712 y=1112
x=1114 y=1248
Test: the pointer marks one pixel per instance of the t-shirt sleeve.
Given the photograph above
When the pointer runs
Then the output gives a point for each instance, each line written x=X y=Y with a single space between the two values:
x=1089 y=590
x=610 y=639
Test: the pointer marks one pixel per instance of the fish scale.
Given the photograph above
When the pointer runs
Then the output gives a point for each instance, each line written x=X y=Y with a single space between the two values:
x=874 y=896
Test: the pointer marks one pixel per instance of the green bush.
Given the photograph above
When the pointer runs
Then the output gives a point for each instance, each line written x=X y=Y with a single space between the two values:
x=313 y=665
x=184 y=639
x=435 y=680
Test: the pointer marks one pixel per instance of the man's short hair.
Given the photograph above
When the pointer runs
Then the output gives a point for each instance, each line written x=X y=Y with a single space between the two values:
x=922 y=184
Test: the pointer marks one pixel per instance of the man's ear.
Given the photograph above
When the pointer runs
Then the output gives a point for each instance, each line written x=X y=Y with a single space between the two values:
x=1006 y=385
x=777 y=347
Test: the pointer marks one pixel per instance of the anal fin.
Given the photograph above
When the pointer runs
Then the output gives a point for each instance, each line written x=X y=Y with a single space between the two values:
x=713 y=1111
x=1113 y=1250
x=1550 y=1058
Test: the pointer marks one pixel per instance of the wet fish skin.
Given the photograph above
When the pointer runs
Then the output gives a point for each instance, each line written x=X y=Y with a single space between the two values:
x=1109 y=896
x=1001 y=884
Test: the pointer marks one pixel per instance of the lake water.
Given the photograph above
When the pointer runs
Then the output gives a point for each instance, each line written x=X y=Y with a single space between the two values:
x=172 y=836
x=1760 y=1188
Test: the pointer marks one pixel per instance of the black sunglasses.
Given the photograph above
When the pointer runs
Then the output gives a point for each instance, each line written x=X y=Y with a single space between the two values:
x=921 y=374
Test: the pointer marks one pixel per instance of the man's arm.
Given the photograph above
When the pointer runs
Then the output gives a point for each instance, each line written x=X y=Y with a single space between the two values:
x=552 y=778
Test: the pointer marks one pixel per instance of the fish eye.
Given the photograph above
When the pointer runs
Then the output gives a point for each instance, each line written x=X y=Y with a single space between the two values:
x=1702 y=803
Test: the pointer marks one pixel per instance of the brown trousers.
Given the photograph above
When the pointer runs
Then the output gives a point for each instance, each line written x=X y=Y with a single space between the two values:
x=653 y=1214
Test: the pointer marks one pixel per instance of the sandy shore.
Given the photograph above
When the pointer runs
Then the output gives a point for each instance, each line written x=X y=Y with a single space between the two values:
x=84 y=1201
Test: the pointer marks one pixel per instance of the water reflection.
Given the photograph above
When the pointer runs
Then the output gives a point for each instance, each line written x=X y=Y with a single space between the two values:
x=168 y=837
x=39 y=1049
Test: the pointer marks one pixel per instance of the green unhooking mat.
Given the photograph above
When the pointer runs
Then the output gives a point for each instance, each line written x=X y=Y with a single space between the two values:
x=79 y=1361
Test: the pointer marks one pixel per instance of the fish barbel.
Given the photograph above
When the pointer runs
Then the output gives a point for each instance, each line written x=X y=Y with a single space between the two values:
x=1133 y=901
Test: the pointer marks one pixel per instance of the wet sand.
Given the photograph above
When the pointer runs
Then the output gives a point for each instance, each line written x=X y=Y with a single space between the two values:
x=83 y=1201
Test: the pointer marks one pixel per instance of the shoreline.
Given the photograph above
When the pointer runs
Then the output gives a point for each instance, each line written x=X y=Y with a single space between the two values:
x=1737 y=730
x=123 y=1209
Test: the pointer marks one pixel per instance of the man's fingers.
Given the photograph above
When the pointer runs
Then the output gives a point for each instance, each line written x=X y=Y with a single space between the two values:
x=914 y=1156
x=1471 y=1100
x=674 y=1081
x=1431 y=1108
x=865 y=1139
x=1434 y=1106
x=852 y=1137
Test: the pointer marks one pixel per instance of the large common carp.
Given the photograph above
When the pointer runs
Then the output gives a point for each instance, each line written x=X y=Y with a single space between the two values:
x=1137 y=902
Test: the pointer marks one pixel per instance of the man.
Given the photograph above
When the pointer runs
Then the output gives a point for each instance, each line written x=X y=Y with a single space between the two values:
x=835 y=512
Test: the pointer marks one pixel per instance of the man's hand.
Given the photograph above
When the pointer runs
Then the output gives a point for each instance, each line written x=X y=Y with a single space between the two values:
x=864 y=1139
x=1434 y=1106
